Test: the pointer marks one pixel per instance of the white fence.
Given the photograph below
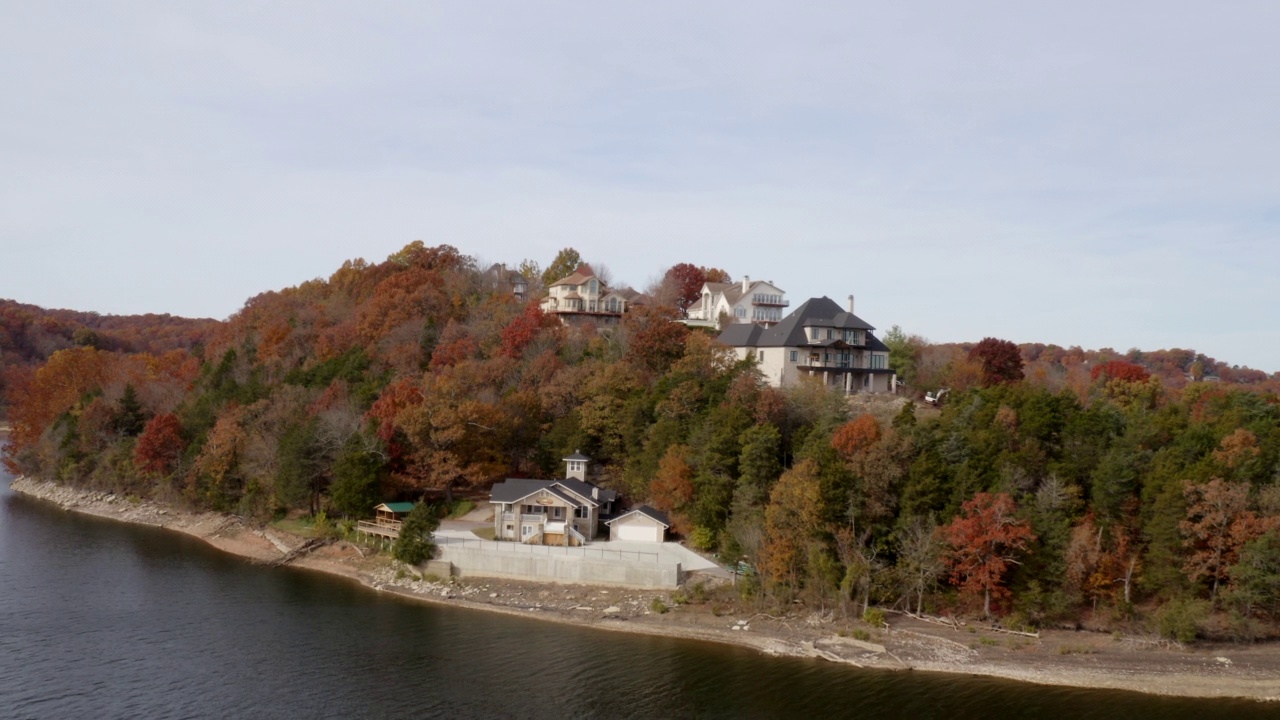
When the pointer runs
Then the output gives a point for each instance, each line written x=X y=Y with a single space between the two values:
x=586 y=553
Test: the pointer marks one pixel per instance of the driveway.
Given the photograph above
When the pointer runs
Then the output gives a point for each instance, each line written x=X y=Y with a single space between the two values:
x=668 y=552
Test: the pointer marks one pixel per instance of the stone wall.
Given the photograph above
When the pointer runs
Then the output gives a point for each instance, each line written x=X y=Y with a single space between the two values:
x=552 y=568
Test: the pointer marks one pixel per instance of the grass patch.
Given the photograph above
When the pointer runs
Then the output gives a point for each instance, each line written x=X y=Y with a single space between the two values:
x=658 y=606
x=460 y=508
x=302 y=527
x=860 y=634
x=484 y=533
x=989 y=642
x=1068 y=649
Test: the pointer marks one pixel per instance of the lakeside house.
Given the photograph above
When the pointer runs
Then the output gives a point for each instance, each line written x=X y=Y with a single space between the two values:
x=818 y=340
x=759 y=302
x=566 y=511
x=583 y=299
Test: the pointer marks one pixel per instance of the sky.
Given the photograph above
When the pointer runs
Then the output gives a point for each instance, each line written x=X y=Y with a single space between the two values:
x=1090 y=173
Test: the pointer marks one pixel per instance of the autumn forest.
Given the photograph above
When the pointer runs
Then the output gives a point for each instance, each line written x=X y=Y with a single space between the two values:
x=1050 y=486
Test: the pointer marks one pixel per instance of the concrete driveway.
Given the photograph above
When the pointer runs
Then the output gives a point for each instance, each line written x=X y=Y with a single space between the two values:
x=668 y=552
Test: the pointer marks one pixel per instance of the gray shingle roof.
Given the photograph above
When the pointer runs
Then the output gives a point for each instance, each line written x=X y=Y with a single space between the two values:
x=647 y=512
x=515 y=489
x=820 y=312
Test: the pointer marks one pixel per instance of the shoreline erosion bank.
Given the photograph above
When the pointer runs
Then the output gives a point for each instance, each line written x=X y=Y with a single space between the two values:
x=1062 y=658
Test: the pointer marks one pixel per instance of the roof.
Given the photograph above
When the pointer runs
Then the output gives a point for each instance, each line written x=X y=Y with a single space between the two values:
x=648 y=512
x=579 y=276
x=514 y=490
x=790 y=332
x=577 y=455
x=396 y=507
x=732 y=291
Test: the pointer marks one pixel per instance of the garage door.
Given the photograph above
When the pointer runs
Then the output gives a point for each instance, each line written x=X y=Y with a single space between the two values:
x=636 y=531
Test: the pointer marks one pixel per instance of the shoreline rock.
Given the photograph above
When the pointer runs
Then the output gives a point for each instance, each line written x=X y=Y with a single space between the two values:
x=917 y=648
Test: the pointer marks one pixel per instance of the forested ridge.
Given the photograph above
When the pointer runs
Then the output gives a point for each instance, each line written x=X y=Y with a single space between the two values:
x=1052 y=485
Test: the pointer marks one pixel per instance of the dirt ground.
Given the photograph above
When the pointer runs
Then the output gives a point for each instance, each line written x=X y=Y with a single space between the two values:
x=708 y=609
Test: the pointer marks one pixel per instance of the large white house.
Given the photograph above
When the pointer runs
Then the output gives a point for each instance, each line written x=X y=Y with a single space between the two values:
x=581 y=298
x=567 y=511
x=818 y=340
x=741 y=302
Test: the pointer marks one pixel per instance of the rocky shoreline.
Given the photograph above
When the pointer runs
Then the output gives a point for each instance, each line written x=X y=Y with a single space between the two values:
x=1076 y=659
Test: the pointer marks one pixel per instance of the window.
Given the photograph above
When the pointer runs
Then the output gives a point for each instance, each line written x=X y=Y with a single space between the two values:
x=794 y=355
x=740 y=312
x=814 y=333
x=580 y=512
x=557 y=513
x=879 y=361
x=831 y=334
x=510 y=527
x=526 y=531
x=591 y=287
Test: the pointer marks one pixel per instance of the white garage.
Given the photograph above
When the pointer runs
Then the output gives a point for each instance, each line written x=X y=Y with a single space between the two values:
x=643 y=524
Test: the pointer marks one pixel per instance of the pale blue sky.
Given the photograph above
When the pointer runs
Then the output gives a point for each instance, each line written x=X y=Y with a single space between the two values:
x=1102 y=174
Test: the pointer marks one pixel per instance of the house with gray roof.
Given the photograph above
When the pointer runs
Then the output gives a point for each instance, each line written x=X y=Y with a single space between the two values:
x=818 y=340
x=566 y=511
x=738 y=302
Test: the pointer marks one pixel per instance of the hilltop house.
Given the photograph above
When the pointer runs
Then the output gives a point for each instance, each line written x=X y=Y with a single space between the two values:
x=551 y=512
x=506 y=280
x=817 y=340
x=581 y=298
x=741 y=302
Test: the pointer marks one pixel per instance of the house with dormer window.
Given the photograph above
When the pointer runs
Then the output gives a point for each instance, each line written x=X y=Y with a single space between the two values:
x=583 y=299
x=758 y=302
x=567 y=511
x=819 y=340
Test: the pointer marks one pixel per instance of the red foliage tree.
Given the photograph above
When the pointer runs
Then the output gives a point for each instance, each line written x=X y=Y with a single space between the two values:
x=1121 y=370
x=1001 y=361
x=686 y=281
x=984 y=540
x=517 y=335
x=654 y=338
x=159 y=446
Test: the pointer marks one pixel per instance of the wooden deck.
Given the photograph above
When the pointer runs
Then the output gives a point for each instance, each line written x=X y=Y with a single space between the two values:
x=381 y=528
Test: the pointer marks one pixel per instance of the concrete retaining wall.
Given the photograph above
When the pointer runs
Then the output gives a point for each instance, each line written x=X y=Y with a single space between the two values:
x=552 y=568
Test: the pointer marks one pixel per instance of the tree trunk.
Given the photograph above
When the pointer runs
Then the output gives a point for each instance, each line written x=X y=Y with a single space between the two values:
x=986 y=602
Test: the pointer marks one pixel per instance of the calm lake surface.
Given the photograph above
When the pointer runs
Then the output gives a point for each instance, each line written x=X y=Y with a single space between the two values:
x=99 y=619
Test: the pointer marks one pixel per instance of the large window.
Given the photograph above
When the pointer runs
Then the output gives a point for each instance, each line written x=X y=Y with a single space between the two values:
x=795 y=355
x=879 y=361
x=815 y=333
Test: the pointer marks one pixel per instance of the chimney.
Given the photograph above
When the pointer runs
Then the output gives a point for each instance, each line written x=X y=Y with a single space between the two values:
x=746 y=280
x=850 y=304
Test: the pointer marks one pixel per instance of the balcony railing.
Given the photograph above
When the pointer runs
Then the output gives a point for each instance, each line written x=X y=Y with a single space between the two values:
x=765 y=299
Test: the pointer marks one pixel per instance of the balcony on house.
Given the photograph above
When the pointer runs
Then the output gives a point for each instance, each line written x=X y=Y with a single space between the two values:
x=769 y=299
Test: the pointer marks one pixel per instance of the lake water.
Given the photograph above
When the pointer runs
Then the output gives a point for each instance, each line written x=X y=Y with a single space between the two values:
x=99 y=619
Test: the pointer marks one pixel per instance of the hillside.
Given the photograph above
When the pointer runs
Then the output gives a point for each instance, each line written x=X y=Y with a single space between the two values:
x=1053 y=486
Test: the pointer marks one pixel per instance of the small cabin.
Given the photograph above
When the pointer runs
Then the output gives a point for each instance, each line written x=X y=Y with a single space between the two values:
x=387 y=519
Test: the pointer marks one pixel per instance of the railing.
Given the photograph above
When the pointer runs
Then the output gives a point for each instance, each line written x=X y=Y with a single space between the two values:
x=517 y=548
x=763 y=299
x=834 y=364
x=385 y=528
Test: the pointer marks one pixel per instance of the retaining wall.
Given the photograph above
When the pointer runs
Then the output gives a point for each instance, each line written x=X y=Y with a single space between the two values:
x=553 y=568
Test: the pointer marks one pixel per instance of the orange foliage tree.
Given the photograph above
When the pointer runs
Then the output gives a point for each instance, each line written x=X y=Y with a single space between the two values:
x=985 y=539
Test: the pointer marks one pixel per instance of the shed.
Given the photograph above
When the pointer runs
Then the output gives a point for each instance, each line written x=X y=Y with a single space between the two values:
x=392 y=511
x=642 y=524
